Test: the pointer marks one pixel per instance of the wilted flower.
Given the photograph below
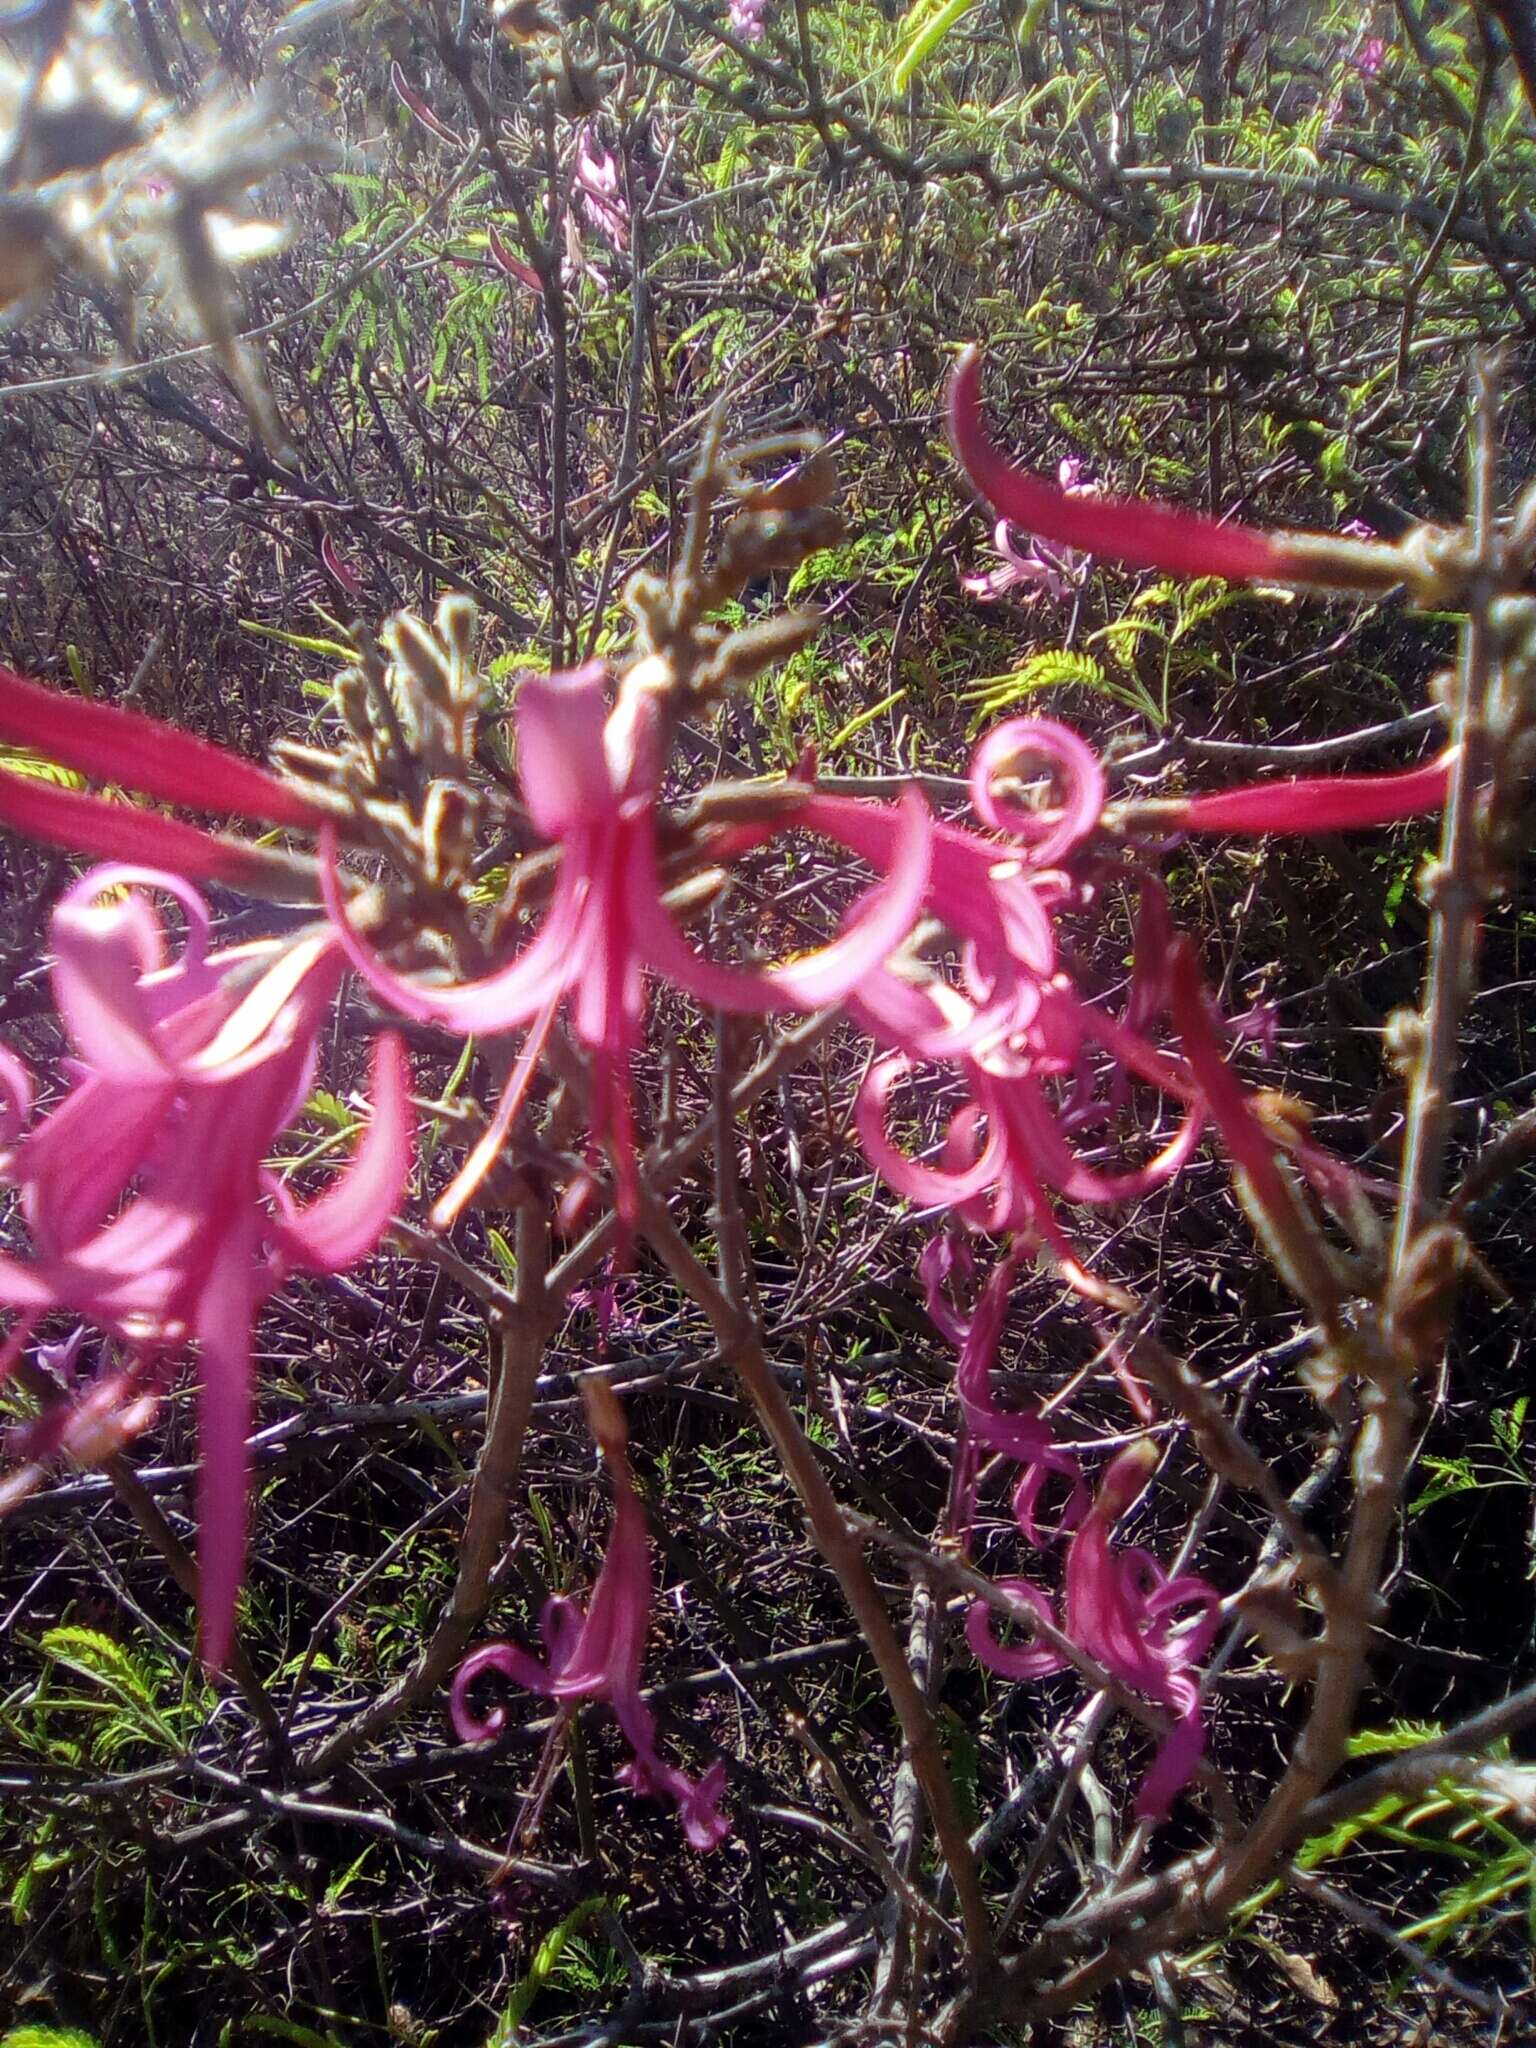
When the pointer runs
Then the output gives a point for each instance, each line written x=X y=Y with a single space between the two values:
x=598 y=189
x=600 y=1654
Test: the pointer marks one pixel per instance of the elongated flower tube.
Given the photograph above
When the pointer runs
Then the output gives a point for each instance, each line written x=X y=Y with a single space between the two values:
x=599 y=1654
x=151 y=1209
x=591 y=781
x=1321 y=803
x=1149 y=536
x=114 y=744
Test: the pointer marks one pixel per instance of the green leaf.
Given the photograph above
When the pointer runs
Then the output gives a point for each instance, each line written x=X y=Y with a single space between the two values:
x=541 y=1969
x=927 y=29
x=22 y=761
x=99 y=1658
x=306 y=643
x=49 y=2037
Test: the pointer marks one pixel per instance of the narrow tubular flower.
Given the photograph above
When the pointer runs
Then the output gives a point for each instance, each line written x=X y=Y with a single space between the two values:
x=1149 y=536
x=1015 y=1433
x=599 y=1654
x=151 y=1209
x=113 y=744
x=1141 y=535
x=1322 y=803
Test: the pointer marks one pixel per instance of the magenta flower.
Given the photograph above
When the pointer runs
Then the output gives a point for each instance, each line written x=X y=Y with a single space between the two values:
x=1021 y=1039
x=112 y=744
x=1036 y=568
x=1148 y=536
x=1017 y=1435
x=591 y=782
x=151 y=1209
x=1322 y=803
x=600 y=1654
x=1122 y=1608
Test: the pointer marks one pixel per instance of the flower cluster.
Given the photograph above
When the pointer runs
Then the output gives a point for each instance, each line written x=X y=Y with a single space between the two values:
x=1121 y=1607
x=155 y=1220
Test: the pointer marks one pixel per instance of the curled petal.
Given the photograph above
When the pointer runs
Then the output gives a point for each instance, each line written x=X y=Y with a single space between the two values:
x=1077 y=771
x=508 y=1661
x=1023 y=1660
x=104 y=953
x=342 y=1225
x=882 y=921
x=15 y=1098
x=1143 y=536
x=113 y=744
x=910 y=1177
x=501 y=1000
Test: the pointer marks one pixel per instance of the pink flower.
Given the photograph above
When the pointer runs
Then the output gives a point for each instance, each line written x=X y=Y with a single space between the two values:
x=1370 y=56
x=1017 y=1435
x=747 y=19
x=598 y=190
x=1321 y=803
x=591 y=782
x=1122 y=1608
x=600 y=1654
x=1148 y=536
x=1036 y=567
x=151 y=1210
x=1021 y=1039
x=112 y=744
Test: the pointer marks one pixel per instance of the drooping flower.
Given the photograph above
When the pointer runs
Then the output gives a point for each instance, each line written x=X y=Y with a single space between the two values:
x=591 y=781
x=1149 y=536
x=1017 y=1434
x=151 y=1209
x=600 y=1653
x=1123 y=1608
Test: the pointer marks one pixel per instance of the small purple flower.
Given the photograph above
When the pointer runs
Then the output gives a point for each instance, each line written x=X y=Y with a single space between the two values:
x=1370 y=56
x=1035 y=568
